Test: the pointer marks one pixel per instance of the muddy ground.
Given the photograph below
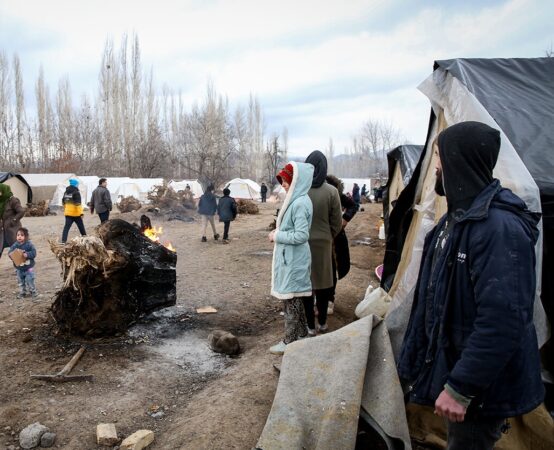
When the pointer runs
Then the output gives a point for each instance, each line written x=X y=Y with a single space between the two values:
x=163 y=363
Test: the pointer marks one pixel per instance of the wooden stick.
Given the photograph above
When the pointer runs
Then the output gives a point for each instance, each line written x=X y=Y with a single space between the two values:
x=62 y=375
x=72 y=362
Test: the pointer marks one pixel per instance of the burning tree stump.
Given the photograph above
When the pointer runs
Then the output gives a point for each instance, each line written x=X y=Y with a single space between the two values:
x=111 y=280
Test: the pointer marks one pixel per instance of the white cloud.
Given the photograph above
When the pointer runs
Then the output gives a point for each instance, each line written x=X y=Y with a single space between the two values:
x=321 y=66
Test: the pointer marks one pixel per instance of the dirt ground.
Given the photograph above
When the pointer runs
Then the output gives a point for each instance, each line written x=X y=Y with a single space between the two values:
x=163 y=363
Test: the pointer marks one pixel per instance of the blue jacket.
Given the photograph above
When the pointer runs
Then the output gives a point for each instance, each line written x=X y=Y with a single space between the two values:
x=291 y=268
x=471 y=324
x=207 y=205
x=31 y=251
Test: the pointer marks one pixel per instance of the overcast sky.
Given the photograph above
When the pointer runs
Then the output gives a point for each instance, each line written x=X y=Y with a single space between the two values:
x=320 y=68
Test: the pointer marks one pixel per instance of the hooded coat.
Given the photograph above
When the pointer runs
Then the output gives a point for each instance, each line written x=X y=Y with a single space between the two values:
x=326 y=222
x=207 y=205
x=10 y=219
x=72 y=206
x=291 y=266
x=471 y=324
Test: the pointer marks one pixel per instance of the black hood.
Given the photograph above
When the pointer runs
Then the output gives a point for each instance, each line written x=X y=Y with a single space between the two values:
x=319 y=161
x=468 y=153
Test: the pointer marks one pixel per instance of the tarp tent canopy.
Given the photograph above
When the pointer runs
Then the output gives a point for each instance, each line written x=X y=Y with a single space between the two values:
x=91 y=182
x=402 y=161
x=195 y=187
x=146 y=185
x=515 y=96
x=244 y=189
x=19 y=186
x=129 y=189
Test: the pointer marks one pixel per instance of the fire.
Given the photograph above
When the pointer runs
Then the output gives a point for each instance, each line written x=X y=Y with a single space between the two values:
x=154 y=235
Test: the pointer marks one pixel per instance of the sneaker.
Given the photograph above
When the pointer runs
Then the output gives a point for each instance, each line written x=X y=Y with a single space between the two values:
x=330 y=308
x=312 y=332
x=278 y=349
x=22 y=295
x=225 y=241
x=322 y=328
x=216 y=236
x=34 y=294
x=204 y=239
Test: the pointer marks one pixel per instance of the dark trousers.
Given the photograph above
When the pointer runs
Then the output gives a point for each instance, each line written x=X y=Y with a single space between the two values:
x=474 y=434
x=263 y=198
x=104 y=216
x=68 y=222
x=321 y=299
x=226 y=226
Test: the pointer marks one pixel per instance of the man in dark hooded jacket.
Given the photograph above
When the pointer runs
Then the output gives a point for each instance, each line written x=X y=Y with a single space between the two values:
x=470 y=348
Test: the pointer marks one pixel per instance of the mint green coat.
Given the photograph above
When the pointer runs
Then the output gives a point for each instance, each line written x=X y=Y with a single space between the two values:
x=291 y=268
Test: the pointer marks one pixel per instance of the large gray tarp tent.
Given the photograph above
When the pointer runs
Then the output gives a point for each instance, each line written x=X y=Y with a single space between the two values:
x=516 y=96
x=402 y=161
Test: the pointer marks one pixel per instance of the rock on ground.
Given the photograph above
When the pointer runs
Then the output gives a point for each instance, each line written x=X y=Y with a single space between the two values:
x=224 y=342
x=106 y=434
x=31 y=434
x=138 y=440
x=47 y=439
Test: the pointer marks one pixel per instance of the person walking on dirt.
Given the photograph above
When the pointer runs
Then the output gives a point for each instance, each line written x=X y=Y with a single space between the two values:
x=227 y=211
x=356 y=195
x=326 y=224
x=341 y=253
x=263 y=191
x=207 y=207
x=470 y=348
x=25 y=270
x=11 y=213
x=101 y=201
x=73 y=209
x=290 y=269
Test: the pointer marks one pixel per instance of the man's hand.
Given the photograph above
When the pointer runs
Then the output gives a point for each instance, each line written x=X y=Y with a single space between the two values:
x=446 y=406
x=271 y=236
x=344 y=223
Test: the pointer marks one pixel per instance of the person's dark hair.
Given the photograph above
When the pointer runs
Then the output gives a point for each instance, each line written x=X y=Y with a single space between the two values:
x=336 y=182
x=25 y=232
x=210 y=188
x=101 y=180
x=226 y=191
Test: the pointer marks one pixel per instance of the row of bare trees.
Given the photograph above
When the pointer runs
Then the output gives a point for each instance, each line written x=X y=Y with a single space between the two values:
x=130 y=128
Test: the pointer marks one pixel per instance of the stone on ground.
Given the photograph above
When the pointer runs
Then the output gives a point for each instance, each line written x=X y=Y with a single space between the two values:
x=31 y=434
x=106 y=434
x=47 y=440
x=224 y=342
x=138 y=440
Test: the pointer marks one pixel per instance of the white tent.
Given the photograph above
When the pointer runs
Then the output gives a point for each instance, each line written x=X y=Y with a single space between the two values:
x=145 y=185
x=195 y=186
x=91 y=182
x=129 y=189
x=244 y=189
x=20 y=188
x=61 y=187
x=44 y=185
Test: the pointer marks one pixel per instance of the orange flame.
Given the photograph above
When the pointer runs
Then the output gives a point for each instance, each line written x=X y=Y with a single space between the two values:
x=154 y=235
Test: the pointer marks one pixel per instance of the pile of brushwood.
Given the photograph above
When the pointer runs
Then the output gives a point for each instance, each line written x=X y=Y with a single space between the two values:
x=111 y=280
x=129 y=204
x=38 y=209
x=247 y=207
x=165 y=198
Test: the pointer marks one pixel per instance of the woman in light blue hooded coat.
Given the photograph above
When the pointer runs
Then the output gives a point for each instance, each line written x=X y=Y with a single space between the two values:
x=291 y=267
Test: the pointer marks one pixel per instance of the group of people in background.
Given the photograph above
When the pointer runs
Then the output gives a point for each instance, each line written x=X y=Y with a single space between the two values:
x=226 y=209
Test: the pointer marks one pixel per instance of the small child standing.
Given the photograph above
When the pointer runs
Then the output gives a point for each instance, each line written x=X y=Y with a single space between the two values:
x=25 y=270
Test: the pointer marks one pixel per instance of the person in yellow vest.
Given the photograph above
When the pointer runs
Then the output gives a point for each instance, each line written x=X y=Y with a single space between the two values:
x=73 y=209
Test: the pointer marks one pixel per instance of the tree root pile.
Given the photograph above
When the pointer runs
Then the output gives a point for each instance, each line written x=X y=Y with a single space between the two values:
x=247 y=207
x=38 y=209
x=111 y=280
x=128 y=204
x=165 y=198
